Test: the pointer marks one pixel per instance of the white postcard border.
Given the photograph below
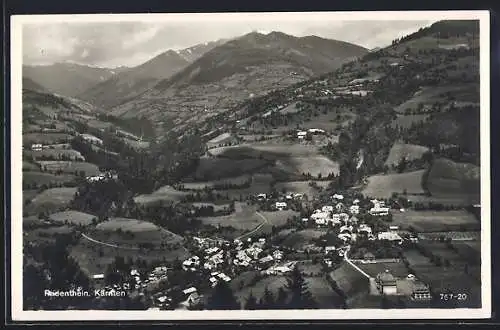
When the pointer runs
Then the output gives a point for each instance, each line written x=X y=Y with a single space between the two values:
x=18 y=314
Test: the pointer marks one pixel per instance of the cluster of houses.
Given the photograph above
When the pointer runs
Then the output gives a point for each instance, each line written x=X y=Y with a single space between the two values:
x=281 y=204
x=109 y=175
x=301 y=135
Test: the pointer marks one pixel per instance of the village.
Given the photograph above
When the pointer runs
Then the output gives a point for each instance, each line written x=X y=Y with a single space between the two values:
x=214 y=260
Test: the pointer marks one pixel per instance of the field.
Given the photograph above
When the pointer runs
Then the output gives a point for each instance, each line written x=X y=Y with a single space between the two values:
x=299 y=239
x=216 y=206
x=166 y=193
x=279 y=218
x=429 y=95
x=454 y=235
x=398 y=269
x=216 y=168
x=273 y=283
x=45 y=138
x=136 y=144
x=415 y=258
x=94 y=258
x=29 y=178
x=264 y=150
x=69 y=167
x=46 y=234
x=302 y=187
x=73 y=217
x=27 y=166
x=406 y=121
x=290 y=158
x=244 y=218
x=408 y=151
x=55 y=153
x=261 y=183
x=322 y=292
x=447 y=178
x=130 y=233
x=469 y=252
x=314 y=165
x=435 y=221
x=51 y=199
x=239 y=180
x=291 y=108
x=132 y=225
x=446 y=253
x=29 y=194
x=350 y=280
x=95 y=123
x=382 y=186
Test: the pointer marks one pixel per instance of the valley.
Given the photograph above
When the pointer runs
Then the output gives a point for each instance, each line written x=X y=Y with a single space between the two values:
x=266 y=172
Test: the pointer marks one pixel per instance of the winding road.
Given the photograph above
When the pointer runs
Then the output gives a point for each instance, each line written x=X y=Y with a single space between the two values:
x=108 y=244
x=256 y=228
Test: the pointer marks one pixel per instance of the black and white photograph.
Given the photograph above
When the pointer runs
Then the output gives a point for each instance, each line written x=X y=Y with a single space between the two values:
x=245 y=166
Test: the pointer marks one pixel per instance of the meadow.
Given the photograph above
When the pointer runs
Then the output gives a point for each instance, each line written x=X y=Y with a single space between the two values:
x=163 y=194
x=435 y=221
x=408 y=151
x=383 y=186
x=73 y=217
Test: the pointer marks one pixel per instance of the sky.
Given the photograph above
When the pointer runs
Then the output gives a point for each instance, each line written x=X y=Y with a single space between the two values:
x=130 y=43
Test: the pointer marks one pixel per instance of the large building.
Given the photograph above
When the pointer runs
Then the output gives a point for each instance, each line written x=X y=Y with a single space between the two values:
x=386 y=283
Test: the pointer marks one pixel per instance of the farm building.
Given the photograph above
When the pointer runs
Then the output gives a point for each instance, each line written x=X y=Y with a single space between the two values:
x=36 y=147
x=221 y=140
x=380 y=211
x=389 y=236
x=413 y=288
x=281 y=206
x=98 y=276
x=301 y=135
x=386 y=283
x=354 y=209
x=316 y=131
x=91 y=139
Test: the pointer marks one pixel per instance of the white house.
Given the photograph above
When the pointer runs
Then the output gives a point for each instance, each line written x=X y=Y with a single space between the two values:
x=98 y=276
x=344 y=236
x=379 y=211
x=338 y=196
x=354 y=209
x=389 y=236
x=281 y=206
x=327 y=208
x=329 y=249
x=316 y=131
x=301 y=135
x=320 y=217
x=266 y=259
x=37 y=147
x=393 y=228
x=189 y=290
